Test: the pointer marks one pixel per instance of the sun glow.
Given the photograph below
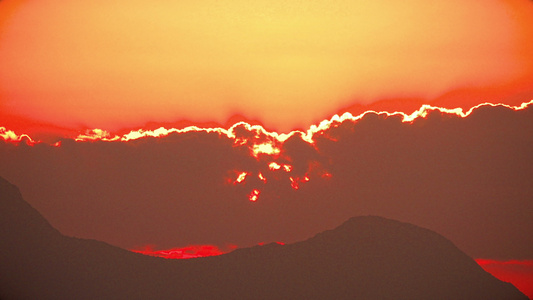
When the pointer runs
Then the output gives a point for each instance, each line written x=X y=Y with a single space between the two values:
x=296 y=181
x=240 y=178
x=96 y=134
x=287 y=168
x=254 y=195
x=287 y=63
x=262 y=177
x=265 y=148
x=274 y=166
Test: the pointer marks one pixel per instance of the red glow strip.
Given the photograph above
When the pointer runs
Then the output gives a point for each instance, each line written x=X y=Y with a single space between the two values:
x=483 y=262
x=192 y=251
x=517 y=272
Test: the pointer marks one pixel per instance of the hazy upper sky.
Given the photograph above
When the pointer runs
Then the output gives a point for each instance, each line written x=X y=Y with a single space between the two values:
x=111 y=64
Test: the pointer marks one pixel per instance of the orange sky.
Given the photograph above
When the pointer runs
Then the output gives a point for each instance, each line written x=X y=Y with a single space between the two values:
x=115 y=64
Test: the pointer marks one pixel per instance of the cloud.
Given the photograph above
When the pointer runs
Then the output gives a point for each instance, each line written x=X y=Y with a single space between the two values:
x=465 y=175
x=11 y=136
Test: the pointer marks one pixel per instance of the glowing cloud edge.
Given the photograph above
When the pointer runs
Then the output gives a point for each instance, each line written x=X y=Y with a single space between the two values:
x=307 y=136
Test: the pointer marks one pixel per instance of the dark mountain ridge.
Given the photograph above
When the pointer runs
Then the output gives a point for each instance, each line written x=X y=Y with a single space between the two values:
x=364 y=258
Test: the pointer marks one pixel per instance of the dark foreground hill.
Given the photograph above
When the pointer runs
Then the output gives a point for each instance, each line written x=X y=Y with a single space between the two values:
x=364 y=258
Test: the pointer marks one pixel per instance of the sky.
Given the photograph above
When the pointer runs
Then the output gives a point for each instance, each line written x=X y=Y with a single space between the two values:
x=286 y=64
x=80 y=75
x=466 y=176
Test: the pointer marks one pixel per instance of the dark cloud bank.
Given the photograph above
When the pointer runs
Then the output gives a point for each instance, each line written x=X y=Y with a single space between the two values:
x=469 y=179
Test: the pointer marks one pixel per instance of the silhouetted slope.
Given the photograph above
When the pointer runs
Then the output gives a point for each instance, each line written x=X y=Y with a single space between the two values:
x=364 y=258
x=369 y=258
x=24 y=234
x=37 y=262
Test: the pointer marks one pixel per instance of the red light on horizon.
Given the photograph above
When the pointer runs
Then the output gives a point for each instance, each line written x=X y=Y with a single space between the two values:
x=277 y=242
x=517 y=272
x=192 y=251
x=483 y=262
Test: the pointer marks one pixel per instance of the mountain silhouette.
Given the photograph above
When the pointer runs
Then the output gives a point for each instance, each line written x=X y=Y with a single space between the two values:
x=364 y=258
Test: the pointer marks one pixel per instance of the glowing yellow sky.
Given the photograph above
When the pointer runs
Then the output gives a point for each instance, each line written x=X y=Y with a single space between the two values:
x=109 y=64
